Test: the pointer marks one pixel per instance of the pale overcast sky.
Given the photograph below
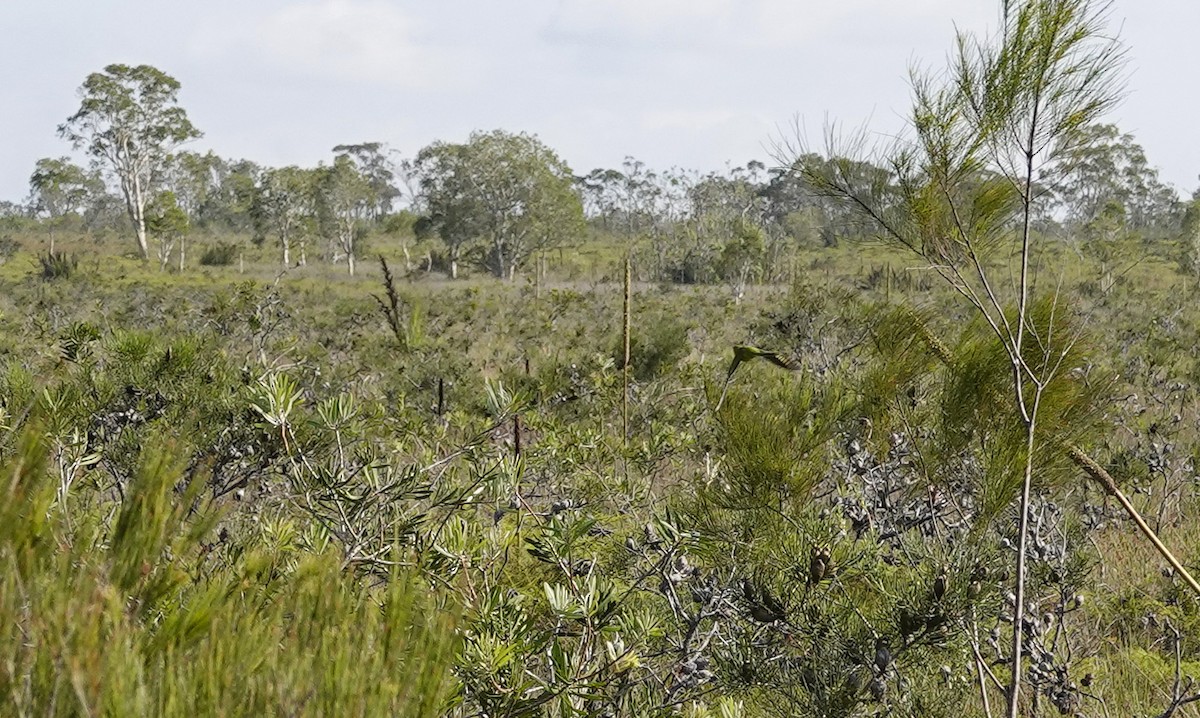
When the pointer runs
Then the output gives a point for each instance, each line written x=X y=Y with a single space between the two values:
x=689 y=83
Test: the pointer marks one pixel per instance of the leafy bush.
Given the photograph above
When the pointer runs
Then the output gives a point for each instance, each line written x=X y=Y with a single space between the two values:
x=656 y=346
x=58 y=265
x=8 y=247
x=222 y=254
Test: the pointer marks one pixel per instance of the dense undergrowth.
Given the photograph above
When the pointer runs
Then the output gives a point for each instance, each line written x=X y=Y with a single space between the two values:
x=231 y=494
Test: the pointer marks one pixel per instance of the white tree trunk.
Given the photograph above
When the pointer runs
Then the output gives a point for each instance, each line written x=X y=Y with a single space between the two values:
x=166 y=248
x=501 y=259
x=137 y=213
x=346 y=240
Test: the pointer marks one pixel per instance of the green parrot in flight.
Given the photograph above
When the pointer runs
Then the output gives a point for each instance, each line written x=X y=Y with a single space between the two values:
x=743 y=353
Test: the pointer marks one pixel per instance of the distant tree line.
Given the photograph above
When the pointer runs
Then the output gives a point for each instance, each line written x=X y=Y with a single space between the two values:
x=499 y=199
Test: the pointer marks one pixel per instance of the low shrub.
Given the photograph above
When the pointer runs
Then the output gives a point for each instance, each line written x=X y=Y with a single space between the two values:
x=58 y=265
x=8 y=247
x=222 y=254
x=656 y=345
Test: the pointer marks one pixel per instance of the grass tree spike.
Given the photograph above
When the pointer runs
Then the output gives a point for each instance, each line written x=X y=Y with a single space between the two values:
x=1098 y=474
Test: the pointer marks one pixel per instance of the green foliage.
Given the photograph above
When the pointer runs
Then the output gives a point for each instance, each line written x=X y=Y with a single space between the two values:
x=588 y=576
x=343 y=196
x=58 y=265
x=376 y=167
x=221 y=254
x=656 y=346
x=508 y=191
x=1101 y=166
x=284 y=205
x=154 y=613
x=60 y=187
x=129 y=120
x=165 y=218
x=8 y=247
x=246 y=495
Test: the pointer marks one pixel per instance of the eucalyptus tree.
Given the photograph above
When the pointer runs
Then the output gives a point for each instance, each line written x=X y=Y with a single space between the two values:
x=214 y=191
x=649 y=200
x=450 y=211
x=1191 y=235
x=1101 y=165
x=59 y=188
x=230 y=205
x=12 y=212
x=509 y=192
x=168 y=223
x=1005 y=114
x=598 y=192
x=344 y=200
x=373 y=161
x=628 y=200
x=284 y=206
x=130 y=121
x=194 y=178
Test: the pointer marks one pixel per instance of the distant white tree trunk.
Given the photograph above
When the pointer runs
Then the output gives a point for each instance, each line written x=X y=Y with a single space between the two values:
x=345 y=240
x=166 y=247
x=135 y=203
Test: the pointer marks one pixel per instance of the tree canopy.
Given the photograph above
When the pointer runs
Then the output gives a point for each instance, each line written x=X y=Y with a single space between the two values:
x=129 y=120
x=508 y=191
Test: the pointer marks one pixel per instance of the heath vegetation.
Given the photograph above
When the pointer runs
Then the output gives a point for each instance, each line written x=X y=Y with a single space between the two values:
x=906 y=430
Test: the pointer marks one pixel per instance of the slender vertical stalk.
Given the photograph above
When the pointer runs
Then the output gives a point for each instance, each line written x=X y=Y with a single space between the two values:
x=1014 y=686
x=625 y=363
x=1029 y=414
x=983 y=696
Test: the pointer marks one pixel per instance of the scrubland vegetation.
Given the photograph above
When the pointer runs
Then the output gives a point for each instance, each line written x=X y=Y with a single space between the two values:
x=502 y=467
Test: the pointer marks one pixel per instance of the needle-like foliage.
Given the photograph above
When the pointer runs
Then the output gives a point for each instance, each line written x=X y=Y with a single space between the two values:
x=984 y=131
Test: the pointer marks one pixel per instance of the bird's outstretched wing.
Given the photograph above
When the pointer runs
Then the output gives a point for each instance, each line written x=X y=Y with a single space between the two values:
x=743 y=353
x=781 y=361
x=737 y=361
